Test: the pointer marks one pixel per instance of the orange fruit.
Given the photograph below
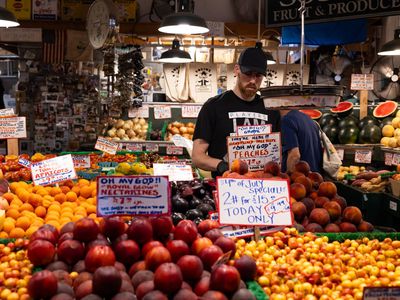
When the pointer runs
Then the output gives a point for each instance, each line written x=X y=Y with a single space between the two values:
x=16 y=201
x=55 y=190
x=60 y=198
x=13 y=186
x=55 y=223
x=17 y=233
x=31 y=230
x=13 y=213
x=3 y=235
x=35 y=200
x=83 y=182
x=76 y=189
x=23 y=222
x=40 y=211
x=71 y=196
x=26 y=206
x=24 y=196
x=46 y=202
x=65 y=189
x=8 y=226
x=86 y=191
x=9 y=196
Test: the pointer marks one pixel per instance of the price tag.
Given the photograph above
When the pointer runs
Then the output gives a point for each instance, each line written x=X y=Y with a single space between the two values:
x=174 y=150
x=133 y=195
x=253 y=130
x=53 y=170
x=381 y=293
x=396 y=159
x=139 y=112
x=7 y=112
x=175 y=172
x=393 y=205
x=106 y=146
x=362 y=82
x=388 y=158
x=190 y=111
x=152 y=147
x=24 y=162
x=236 y=205
x=162 y=112
x=12 y=128
x=81 y=161
x=135 y=147
x=363 y=156
x=340 y=152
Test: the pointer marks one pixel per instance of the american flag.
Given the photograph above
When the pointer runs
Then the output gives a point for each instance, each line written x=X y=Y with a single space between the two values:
x=54 y=46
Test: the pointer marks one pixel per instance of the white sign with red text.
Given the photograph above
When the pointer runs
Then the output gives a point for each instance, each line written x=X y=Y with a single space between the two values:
x=53 y=170
x=81 y=161
x=106 y=145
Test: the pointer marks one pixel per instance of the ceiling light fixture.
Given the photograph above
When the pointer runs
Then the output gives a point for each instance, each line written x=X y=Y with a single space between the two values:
x=175 y=55
x=7 y=18
x=183 y=22
x=392 y=47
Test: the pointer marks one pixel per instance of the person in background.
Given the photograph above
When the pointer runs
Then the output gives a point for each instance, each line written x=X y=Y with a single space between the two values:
x=301 y=141
x=221 y=115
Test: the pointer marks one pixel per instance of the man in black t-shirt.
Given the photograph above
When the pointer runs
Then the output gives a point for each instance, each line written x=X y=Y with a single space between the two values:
x=220 y=115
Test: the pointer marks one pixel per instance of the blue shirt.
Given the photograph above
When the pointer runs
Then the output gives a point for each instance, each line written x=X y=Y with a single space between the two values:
x=299 y=130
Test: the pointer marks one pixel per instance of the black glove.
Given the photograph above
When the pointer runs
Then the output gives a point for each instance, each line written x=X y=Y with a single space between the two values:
x=222 y=167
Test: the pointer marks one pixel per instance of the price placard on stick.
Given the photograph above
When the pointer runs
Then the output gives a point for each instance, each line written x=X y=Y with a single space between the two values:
x=162 y=112
x=53 y=170
x=139 y=112
x=190 y=111
x=362 y=82
x=12 y=128
x=253 y=202
x=133 y=195
x=106 y=146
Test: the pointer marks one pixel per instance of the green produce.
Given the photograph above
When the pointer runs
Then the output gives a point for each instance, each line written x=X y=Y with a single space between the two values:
x=348 y=134
x=370 y=134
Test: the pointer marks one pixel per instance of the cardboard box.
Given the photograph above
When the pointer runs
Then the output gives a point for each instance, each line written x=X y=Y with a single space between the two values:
x=44 y=9
x=126 y=10
x=74 y=10
x=395 y=186
x=22 y=9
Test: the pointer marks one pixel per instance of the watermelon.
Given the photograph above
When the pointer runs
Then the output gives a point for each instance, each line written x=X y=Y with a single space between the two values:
x=327 y=119
x=386 y=121
x=366 y=121
x=348 y=135
x=385 y=109
x=348 y=121
x=332 y=133
x=370 y=134
x=343 y=109
x=314 y=114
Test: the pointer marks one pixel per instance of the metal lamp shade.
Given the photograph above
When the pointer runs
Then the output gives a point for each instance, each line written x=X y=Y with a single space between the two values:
x=391 y=48
x=183 y=23
x=175 y=55
x=7 y=18
x=270 y=59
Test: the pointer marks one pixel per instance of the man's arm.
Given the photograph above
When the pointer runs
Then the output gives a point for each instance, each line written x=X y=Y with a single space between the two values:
x=200 y=158
x=292 y=159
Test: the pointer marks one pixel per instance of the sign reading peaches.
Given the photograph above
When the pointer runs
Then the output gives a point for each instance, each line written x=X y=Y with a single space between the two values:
x=253 y=202
x=53 y=170
x=133 y=195
x=255 y=150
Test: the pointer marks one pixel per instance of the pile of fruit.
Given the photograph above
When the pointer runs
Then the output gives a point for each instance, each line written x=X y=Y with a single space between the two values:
x=371 y=181
x=316 y=206
x=353 y=170
x=292 y=266
x=140 y=261
x=135 y=168
x=128 y=130
x=391 y=132
x=184 y=129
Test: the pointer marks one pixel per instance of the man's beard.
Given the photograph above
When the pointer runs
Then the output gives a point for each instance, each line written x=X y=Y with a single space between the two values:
x=247 y=90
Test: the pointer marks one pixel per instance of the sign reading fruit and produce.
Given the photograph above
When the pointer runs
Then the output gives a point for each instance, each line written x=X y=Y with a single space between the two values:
x=255 y=150
x=253 y=202
x=133 y=195
x=53 y=170
x=13 y=128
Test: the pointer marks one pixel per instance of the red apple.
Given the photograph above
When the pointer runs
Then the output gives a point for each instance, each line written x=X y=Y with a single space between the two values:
x=162 y=226
x=177 y=248
x=43 y=234
x=70 y=251
x=191 y=267
x=85 y=230
x=42 y=284
x=41 y=252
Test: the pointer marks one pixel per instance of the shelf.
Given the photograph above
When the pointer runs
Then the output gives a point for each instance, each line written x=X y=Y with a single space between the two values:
x=356 y=146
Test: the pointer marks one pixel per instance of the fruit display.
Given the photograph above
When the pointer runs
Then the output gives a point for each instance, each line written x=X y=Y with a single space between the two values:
x=292 y=266
x=353 y=170
x=149 y=259
x=96 y=158
x=343 y=109
x=314 y=114
x=184 y=129
x=385 y=109
x=391 y=132
x=128 y=130
x=135 y=168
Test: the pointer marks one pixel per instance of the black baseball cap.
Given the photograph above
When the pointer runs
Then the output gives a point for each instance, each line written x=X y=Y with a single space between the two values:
x=253 y=60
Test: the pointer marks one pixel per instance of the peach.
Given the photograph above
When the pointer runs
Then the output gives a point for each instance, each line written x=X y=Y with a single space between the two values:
x=305 y=222
x=316 y=179
x=294 y=175
x=365 y=226
x=306 y=182
x=341 y=201
x=239 y=166
x=320 y=201
x=284 y=176
x=309 y=203
x=299 y=211
x=327 y=189
x=352 y=214
x=347 y=227
x=331 y=227
x=334 y=210
x=302 y=167
x=319 y=216
x=272 y=168
x=297 y=191
x=314 y=227
x=313 y=195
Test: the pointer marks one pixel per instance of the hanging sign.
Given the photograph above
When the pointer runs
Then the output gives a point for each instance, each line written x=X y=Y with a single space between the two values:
x=106 y=145
x=133 y=195
x=361 y=82
x=81 y=161
x=53 y=170
x=175 y=172
x=139 y=112
x=363 y=156
x=381 y=293
x=255 y=150
x=162 y=112
x=253 y=202
x=254 y=130
x=13 y=128
x=190 y=111
x=388 y=159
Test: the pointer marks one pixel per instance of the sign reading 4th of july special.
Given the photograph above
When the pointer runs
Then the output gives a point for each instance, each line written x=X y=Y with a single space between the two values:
x=53 y=170
x=133 y=195
x=253 y=202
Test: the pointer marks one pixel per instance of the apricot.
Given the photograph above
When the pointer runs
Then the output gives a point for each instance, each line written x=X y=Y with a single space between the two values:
x=352 y=214
x=239 y=166
x=327 y=189
x=319 y=216
x=297 y=191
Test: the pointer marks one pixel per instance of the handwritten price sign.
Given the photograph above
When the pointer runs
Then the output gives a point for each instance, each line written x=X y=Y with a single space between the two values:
x=53 y=170
x=381 y=293
x=139 y=112
x=190 y=111
x=174 y=150
x=388 y=159
x=162 y=112
x=152 y=147
x=253 y=202
x=363 y=156
x=105 y=145
x=12 y=128
x=396 y=159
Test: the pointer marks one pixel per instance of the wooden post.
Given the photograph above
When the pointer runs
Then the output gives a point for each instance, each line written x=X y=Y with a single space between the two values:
x=12 y=147
x=256 y=233
x=363 y=103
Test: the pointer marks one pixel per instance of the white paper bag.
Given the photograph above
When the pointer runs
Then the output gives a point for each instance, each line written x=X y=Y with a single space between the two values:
x=202 y=81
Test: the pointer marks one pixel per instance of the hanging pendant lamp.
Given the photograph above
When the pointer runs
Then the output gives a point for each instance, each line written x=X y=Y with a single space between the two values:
x=7 y=18
x=183 y=23
x=393 y=47
x=175 y=55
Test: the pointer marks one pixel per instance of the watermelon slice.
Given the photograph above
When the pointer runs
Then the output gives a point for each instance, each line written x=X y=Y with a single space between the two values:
x=343 y=109
x=385 y=109
x=314 y=114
